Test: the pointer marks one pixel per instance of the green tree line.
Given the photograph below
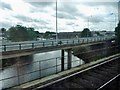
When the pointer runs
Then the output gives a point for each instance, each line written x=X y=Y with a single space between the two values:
x=117 y=33
x=86 y=33
x=20 y=33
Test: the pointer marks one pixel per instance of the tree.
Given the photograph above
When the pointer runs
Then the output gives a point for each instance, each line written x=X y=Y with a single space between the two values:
x=18 y=33
x=37 y=33
x=21 y=33
x=48 y=34
x=117 y=33
x=86 y=33
x=31 y=34
x=3 y=31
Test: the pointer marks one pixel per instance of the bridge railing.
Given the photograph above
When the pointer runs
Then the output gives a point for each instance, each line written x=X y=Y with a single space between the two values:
x=35 y=44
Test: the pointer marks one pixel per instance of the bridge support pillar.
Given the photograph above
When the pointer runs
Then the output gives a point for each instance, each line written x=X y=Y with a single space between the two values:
x=69 y=59
x=62 y=60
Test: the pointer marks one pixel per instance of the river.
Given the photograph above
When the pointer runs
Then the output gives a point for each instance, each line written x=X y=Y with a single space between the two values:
x=33 y=65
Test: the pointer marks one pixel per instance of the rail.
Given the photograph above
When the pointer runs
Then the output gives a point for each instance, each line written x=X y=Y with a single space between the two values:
x=68 y=77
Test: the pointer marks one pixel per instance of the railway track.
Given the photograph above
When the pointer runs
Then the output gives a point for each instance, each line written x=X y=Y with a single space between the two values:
x=96 y=77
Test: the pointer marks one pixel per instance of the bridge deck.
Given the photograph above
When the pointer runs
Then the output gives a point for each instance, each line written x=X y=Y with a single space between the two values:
x=24 y=52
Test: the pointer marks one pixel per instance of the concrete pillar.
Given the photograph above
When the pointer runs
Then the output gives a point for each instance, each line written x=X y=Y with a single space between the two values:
x=62 y=60
x=69 y=59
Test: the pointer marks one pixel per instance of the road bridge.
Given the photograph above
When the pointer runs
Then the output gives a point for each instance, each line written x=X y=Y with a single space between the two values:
x=17 y=49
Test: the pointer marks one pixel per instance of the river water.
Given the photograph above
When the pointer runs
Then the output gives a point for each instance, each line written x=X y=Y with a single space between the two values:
x=28 y=68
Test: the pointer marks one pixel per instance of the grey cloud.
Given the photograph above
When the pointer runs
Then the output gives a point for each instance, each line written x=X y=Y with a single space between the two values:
x=5 y=25
x=101 y=3
x=95 y=19
x=41 y=4
x=23 y=18
x=107 y=4
x=70 y=23
x=5 y=6
x=44 y=27
x=29 y=19
x=71 y=9
x=49 y=28
x=65 y=15
x=68 y=8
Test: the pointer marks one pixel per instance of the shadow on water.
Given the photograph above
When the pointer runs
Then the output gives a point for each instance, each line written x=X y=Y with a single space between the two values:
x=19 y=60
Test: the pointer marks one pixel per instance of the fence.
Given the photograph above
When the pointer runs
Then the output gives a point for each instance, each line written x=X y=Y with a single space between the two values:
x=36 y=44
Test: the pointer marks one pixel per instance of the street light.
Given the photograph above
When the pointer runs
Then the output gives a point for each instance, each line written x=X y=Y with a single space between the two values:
x=56 y=25
x=91 y=16
x=89 y=21
x=115 y=17
x=88 y=24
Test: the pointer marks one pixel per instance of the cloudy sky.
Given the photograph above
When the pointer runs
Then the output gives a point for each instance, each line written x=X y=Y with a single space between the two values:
x=73 y=15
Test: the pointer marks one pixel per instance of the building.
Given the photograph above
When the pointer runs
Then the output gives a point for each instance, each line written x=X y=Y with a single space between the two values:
x=68 y=35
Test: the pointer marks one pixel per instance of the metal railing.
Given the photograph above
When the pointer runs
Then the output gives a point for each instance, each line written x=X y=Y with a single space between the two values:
x=43 y=68
x=39 y=71
x=36 y=44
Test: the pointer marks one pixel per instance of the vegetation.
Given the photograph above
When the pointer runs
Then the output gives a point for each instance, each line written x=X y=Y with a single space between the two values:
x=98 y=33
x=21 y=33
x=86 y=33
x=48 y=34
x=82 y=53
x=89 y=54
x=3 y=31
x=117 y=33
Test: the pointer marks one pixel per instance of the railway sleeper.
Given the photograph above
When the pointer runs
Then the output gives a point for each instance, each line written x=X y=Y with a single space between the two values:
x=85 y=83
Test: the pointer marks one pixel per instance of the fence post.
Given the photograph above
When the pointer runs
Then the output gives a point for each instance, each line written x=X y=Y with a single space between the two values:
x=78 y=40
x=52 y=43
x=43 y=44
x=73 y=41
x=19 y=46
x=56 y=65
x=32 y=45
x=67 y=41
x=4 y=47
x=17 y=65
x=40 y=69
x=87 y=40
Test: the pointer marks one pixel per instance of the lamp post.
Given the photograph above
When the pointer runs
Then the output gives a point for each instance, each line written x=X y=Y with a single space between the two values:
x=115 y=17
x=56 y=25
x=89 y=23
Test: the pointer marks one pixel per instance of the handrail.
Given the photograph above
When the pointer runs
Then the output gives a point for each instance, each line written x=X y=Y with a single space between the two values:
x=34 y=44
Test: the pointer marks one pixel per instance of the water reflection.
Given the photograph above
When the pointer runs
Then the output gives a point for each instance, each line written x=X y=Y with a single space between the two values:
x=28 y=68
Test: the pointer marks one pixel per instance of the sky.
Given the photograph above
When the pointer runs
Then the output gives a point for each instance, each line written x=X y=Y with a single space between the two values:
x=72 y=15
